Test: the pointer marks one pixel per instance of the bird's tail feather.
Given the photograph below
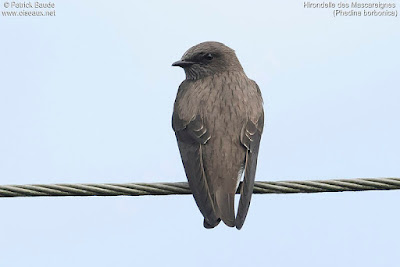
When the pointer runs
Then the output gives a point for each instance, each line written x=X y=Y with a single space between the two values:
x=225 y=206
x=210 y=225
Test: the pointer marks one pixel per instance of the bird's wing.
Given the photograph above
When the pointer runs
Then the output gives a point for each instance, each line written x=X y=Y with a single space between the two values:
x=250 y=137
x=192 y=136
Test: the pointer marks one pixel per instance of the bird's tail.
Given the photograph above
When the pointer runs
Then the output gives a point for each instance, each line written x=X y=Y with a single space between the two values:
x=212 y=224
x=225 y=206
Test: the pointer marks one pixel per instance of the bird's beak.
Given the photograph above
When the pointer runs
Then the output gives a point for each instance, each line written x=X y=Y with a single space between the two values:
x=182 y=63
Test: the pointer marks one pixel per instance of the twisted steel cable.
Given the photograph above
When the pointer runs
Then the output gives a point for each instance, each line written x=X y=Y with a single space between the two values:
x=182 y=188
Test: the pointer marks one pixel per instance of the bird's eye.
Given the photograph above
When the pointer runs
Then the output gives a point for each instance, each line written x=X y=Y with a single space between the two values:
x=208 y=56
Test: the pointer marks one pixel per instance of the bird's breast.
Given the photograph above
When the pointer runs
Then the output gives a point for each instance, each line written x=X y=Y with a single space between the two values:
x=224 y=100
x=223 y=104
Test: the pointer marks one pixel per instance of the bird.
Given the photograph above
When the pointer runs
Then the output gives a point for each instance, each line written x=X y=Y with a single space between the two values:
x=218 y=120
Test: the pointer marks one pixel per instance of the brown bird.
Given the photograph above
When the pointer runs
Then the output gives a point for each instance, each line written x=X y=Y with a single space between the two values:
x=218 y=120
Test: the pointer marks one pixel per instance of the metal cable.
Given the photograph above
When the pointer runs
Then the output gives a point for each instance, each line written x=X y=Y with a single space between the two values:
x=141 y=189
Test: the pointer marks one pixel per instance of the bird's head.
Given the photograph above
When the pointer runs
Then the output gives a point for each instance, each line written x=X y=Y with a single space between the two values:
x=208 y=58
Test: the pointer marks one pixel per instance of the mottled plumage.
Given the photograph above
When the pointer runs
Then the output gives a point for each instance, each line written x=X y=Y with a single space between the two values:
x=218 y=121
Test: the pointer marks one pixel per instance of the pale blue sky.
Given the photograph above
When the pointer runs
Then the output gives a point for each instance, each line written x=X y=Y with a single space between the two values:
x=87 y=96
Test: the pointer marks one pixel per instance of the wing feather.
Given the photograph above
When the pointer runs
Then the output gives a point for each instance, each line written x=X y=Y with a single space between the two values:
x=191 y=137
x=250 y=138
